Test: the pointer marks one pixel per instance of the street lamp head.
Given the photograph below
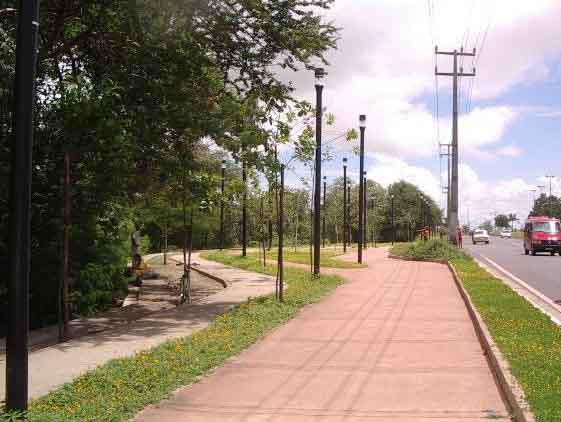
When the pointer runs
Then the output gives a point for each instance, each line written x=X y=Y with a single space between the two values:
x=223 y=165
x=364 y=172
x=324 y=178
x=344 y=161
x=319 y=74
x=362 y=120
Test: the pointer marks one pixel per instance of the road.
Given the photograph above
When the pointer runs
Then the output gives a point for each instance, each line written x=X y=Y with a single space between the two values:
x=542 y=272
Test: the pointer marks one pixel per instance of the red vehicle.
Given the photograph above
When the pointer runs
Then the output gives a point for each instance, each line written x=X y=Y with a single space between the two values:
x=542 y=234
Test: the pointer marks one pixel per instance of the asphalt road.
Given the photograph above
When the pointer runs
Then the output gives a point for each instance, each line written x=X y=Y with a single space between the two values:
x=542 y=272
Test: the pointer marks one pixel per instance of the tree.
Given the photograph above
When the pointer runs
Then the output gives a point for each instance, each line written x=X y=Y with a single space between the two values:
x=502 y=221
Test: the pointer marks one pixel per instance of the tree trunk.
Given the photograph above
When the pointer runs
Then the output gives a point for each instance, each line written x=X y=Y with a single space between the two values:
x=165 y=244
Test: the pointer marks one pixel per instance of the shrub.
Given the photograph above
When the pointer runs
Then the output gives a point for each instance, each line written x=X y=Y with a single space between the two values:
x=96 y=286
x=430 y=250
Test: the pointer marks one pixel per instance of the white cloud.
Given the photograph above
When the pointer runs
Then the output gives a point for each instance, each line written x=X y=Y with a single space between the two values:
x=481 y=199
x=388 y=170
x=384 y=67
x=510 y=151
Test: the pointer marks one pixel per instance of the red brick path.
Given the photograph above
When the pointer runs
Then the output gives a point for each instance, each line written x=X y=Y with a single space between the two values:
x=395 y=343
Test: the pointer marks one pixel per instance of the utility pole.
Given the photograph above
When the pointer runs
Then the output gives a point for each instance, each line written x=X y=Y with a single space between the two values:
x=319 y=74
x=453 y=213
x=345 y=231
x=446 y=189
x=323 y=228
x=223 y=171
x=550 y=197
x=244 y=211
x=20 y=207
x=362 y=125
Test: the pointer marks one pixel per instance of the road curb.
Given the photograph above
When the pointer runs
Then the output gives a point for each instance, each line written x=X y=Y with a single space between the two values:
x=509 y=386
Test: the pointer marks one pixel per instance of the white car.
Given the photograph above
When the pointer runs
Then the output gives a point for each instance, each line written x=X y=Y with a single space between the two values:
x=506 y=234
x=480 y=236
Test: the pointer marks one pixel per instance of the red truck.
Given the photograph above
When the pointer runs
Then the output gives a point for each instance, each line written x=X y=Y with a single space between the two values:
x=542 y=234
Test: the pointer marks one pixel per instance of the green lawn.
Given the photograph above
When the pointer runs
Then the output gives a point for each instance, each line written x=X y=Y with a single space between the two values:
x=119 y=389
x=329 y=257
x=528 y=339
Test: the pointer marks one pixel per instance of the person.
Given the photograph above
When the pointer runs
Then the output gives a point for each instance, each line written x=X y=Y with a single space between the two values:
x=460 y=238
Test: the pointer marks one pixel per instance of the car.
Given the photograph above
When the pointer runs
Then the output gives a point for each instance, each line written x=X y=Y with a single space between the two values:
x=480 y=236
x=542 y=234
x=506 y=233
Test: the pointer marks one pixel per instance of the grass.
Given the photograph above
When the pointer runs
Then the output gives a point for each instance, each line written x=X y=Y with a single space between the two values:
x=121 y=388
x=518 y=235
x=528 y=339
x=302 y=256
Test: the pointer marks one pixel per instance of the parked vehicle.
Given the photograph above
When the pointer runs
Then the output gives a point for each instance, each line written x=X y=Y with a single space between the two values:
x=480 y=236
x=542 y=234
x=506 y=234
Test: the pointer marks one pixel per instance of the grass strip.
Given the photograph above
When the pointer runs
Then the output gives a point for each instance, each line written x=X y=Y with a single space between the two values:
x=119 y=389
x=328 y=258
x=527 y=338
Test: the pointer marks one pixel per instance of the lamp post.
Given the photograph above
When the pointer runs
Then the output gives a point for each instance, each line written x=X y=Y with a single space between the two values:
x=244 y=211
x=323 y=222
x=373 y=227
x=345 y=205
x=349 y=237
x=550 y=197
x=362 y=125
x=393 y=219
x=533 y=199
x=365 y=208
x=223 y=172
x=319 y=74
x=20 y=207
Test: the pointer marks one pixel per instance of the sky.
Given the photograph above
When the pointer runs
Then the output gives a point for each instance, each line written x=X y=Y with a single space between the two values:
x=510 y=113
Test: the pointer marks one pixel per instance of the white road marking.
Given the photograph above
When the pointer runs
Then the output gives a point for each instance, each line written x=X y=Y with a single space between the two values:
x=527 y=287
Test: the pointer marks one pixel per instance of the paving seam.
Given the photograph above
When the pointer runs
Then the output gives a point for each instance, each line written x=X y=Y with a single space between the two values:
x=330 y=341
x=326 y=362
x=229 y=410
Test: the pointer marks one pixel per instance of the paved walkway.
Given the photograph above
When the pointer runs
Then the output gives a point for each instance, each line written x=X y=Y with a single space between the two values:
x=395 y=343
x=55 y=365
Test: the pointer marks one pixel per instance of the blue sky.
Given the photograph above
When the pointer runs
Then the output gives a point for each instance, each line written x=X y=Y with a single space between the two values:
x=384 y=67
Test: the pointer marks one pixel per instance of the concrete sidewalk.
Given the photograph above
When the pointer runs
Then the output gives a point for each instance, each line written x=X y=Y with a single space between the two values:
x=55 y=365
x=393 y=344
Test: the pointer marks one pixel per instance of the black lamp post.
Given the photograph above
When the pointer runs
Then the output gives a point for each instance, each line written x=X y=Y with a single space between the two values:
x=223 y=171
x=20 y=207
x=345 y=223
x=323 y=222
x=393 y=219
x=349 y=236
x=373 y=226
x=362 y=125
x=365 y=208
x=319 y=74
x=244 y=211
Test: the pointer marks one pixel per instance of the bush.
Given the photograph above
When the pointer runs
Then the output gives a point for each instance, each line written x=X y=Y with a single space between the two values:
x=96 y=287
x=430 y=250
